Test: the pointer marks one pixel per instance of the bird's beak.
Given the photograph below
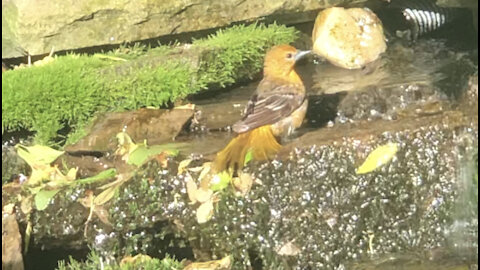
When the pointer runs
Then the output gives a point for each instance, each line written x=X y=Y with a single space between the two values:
x=301 y=54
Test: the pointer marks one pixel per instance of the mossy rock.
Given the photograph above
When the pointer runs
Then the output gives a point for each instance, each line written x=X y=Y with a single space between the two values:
x=65 y=93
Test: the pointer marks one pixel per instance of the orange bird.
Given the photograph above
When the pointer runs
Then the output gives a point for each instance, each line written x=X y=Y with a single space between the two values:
x=277 y=107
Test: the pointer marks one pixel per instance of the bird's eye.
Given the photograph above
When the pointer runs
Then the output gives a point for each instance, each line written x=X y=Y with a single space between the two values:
x=289 y=55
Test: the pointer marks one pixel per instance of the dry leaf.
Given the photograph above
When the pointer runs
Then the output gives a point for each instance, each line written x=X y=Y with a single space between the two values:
x=203 y=195
x=289 y=249
x=243 y=184
x=191 y=188
x=183 y=165
x=105 y=195
x=206 y=169
x=162 y=159
x=205 y=212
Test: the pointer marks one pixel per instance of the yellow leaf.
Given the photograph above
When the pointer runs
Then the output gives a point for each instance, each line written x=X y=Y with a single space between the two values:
x=105 y=195
x=183 y=165
x=37 y=154
x=222 y=264
x=72 y=174
x=380 y=156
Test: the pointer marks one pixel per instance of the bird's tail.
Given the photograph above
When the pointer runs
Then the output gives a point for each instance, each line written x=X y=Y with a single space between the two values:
x=260 y=141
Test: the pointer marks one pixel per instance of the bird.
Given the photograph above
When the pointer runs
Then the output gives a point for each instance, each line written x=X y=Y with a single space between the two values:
x=275 y=110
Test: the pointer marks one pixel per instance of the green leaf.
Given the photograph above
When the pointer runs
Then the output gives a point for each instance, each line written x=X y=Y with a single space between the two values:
x=43 y=197
x=105 y=195
x=37 y=154
x=248 y=157
x=107 y=174
x=220 y=181
x=378 y=157
x=142 y=153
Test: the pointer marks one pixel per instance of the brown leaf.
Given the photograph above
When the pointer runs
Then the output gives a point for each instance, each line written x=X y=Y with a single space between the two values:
x=162 y=159
x=87 y=200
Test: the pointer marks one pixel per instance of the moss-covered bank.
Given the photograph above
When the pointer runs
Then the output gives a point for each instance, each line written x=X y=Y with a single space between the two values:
x=65 y=93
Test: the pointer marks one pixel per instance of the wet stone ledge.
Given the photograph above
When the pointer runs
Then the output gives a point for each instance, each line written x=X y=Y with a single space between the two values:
x=312 y=200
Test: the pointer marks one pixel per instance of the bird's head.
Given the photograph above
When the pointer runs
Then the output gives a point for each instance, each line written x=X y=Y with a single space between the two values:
x=280 y=61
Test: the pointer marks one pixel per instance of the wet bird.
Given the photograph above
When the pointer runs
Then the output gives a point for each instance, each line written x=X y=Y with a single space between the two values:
x=277 y=107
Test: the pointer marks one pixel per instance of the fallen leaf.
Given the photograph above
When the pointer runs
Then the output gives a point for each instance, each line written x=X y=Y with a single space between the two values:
x=43 y=197
x=380 y=156
x=182 y=166
x=191 y=188
x=72 y=174
x=222 y=264
x=203 y=195
x=205 y=212
x=28 y=234
x=105 y=195
x=206 y=169
x=243 y=184
x=37 y=154
x=220 y=181
x=104 y=175
x=248 y=157
x=289 y=249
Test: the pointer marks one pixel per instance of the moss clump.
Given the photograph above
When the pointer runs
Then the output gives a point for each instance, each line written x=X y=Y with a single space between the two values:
x=94 y=262
x=67 y=92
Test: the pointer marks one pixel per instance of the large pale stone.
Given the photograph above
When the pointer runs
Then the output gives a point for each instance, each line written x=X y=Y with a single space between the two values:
x=348 y=38
x=38 y=25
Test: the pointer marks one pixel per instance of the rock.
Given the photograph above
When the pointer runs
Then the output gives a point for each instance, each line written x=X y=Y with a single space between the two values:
x=37 y=26
x=12 y=164
x=348 y=38
x=153 y=125
x=311 y=195
x=403 y=81
x=11 y=243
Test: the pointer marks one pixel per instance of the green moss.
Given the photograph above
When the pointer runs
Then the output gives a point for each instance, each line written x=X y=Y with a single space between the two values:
x=67 y=92
x=94 y=262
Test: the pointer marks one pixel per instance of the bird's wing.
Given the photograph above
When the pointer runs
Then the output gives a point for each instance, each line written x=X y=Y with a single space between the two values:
x=270 y=108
